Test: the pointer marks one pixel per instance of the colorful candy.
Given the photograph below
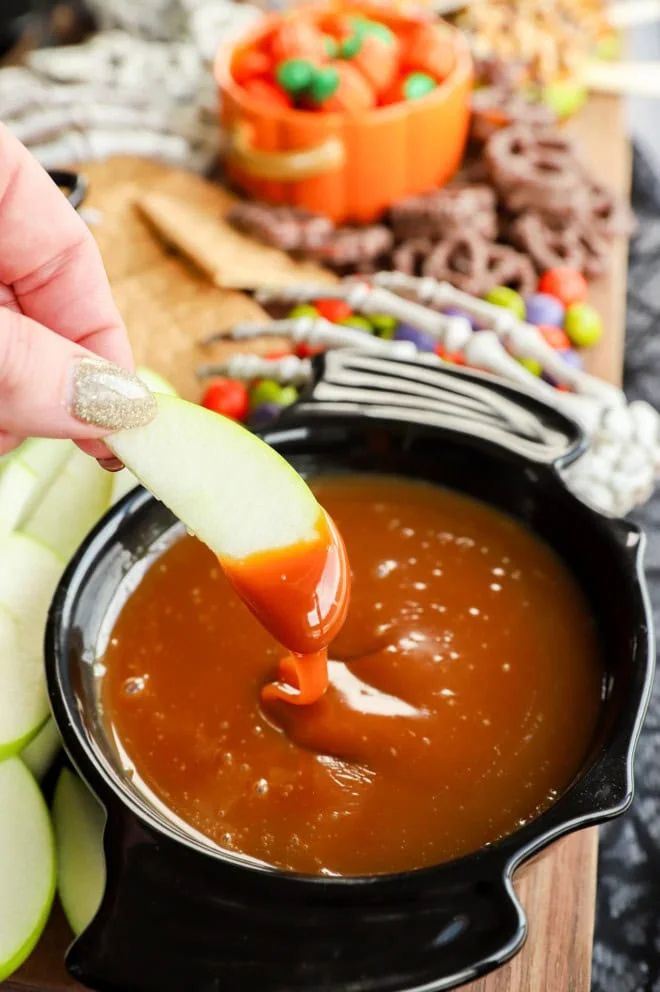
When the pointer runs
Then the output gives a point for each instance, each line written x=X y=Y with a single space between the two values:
x=333 y=310
x=323 y=85
x=267 y=93
x=531 y=365
x=265 y=391
x=568 y=285
x=430 y=50
x=541 y=308
x=583 y=325
x=228 y=397
x=383 y=323
x=378 y=61
x=422 y=341
x=352 y=95
x=555 y=336
x=250 y=65
x=361 y=323
x=295 y=75
x=503 y=296
x=304 y=310
x=411 y=87
x=261 y=415
x=296 y=38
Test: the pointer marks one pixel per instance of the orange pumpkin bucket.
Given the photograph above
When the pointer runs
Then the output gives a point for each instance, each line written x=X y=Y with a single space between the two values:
x=349 y=166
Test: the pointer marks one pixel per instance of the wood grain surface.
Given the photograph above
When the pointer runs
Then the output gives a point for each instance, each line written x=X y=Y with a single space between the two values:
x=168 y=306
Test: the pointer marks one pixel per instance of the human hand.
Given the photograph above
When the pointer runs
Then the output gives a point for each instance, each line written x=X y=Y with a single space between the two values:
x=59 y=327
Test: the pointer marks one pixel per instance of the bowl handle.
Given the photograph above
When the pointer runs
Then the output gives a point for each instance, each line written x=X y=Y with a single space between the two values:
x=74 y=183
x=174 y=918
x=286 y=166
x=458 y=401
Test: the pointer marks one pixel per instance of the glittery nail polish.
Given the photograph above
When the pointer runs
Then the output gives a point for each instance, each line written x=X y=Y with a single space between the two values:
x=108 y=397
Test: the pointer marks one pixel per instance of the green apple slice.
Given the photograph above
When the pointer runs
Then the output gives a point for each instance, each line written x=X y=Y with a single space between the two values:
x=23 y=707
x=228 y=487
x=26 y=476
x=41 y=752
x=29 y=573
x=125 y=481
x=79 y=821
x=75 y=502
x=155 y=382
x=27 y=865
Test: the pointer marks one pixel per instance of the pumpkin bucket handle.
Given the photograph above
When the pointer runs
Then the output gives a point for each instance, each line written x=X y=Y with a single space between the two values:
x=290 y=166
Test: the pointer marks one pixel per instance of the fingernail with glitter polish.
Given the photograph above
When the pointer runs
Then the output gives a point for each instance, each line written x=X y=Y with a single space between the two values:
x=108 y=397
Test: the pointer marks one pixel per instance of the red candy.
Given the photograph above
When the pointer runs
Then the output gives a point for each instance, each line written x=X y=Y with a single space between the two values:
x=334 y=310
x=250 y=65
x=454 y=357
x=555 y=337
x=298 y=39
x=228 y=397
x=567 y=285
x=430 y=49
x=268 y=93
x=304 y=351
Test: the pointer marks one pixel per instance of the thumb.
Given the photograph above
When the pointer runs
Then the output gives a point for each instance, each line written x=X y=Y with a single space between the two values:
x=52 y=387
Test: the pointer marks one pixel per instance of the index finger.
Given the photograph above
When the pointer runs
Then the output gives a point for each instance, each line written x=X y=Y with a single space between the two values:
x=50 y=259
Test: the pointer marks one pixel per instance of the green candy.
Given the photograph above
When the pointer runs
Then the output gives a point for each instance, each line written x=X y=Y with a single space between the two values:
x=361 y=323
x=418 y=84
x=324 y=83
x=387 y=333
x=330 y=45
x=288 y=395
x=583 y=324
x=266 y=391
x=303 y=310
x=564 y=98
x=383 y=323
x=502 y=296
x=295 y=75
x=350 y=46
x=531 y=365
x=362 y=25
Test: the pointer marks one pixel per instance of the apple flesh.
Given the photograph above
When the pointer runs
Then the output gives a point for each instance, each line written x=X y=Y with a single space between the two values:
x=76 y=500
x=124 y=481
x=238 y=495
x=29 y=573
x=27 y=865
x=26 y=475
x=42 y=750
x=79 y=821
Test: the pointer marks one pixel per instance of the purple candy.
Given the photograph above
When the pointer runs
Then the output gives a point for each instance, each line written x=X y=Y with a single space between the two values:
x=571 y=357
x=422 y=341
x=263 y=413
x=457 y=312
x=541 y=308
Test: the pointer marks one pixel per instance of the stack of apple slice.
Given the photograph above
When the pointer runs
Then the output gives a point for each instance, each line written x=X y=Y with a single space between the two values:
x=51 y=495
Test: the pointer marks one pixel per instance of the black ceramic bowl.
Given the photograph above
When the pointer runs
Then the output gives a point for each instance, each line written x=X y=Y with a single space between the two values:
x=178 y=914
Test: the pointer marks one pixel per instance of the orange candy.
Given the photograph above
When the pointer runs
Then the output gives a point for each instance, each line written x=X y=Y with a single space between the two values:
x=429 y=49
x=267 y=93
x=298 y=39
x=353 y=95
x=378 y=61
x=250 y=65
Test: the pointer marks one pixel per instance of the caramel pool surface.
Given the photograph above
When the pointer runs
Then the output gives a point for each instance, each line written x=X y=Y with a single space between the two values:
x=465 y=690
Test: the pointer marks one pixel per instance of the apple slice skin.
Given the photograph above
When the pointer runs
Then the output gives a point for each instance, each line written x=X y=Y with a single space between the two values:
x=42 y=750
x=238 y=495
x=79 y=823
x=26 y=475
x=29 y=573
x=27 y=865
x=75 y=502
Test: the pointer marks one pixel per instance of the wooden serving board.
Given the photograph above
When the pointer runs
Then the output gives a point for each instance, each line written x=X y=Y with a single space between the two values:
x=168 y=307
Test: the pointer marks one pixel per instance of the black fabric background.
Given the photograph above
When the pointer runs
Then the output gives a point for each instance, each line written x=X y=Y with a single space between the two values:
x=627 y=945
